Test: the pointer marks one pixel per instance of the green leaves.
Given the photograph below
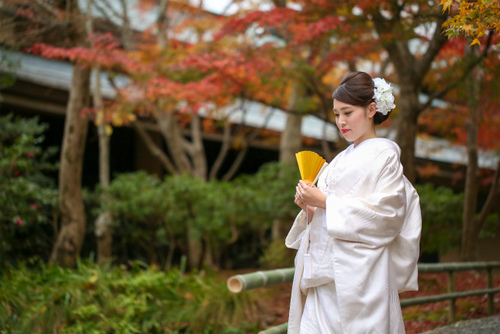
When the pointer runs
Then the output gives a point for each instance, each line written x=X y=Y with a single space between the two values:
x=53 y=299
x=28 y=198
x=441 y=218
x=153 y=213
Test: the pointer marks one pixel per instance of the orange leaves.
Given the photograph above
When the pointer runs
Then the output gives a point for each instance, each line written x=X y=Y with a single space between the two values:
x=112 y=114
x=319 y=28
x=276 y=17
x=104 y=49
x=235 y=71
x=489 y=130
x=427 y=170
x=208 y=125
x=446 y=4
x=472 y=18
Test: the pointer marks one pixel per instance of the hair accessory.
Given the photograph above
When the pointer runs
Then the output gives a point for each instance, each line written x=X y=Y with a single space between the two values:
x=383 y=96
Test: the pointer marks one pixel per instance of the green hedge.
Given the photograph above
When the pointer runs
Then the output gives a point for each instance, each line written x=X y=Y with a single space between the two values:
x=136 y=299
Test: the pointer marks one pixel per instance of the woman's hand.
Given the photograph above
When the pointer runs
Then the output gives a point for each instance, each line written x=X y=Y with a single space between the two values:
x=298 y=200
x=309 y=209
x=308 y=195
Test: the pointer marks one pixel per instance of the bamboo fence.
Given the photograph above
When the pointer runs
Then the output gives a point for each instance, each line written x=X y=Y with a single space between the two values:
x=259 y=279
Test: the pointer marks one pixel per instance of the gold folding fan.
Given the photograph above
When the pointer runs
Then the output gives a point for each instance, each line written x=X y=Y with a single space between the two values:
x=310 y=165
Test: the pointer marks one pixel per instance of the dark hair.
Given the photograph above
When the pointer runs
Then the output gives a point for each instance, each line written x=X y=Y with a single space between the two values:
x=357 y=89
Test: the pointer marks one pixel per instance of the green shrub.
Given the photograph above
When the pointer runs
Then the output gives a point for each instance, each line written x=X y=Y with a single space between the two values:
x=441 y=218
x=154 y=217
x=277 y=255
x=28 y=197
x=91 y=299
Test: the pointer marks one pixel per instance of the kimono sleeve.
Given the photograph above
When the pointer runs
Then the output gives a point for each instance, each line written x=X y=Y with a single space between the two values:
x=372 y=214
x=297 y=230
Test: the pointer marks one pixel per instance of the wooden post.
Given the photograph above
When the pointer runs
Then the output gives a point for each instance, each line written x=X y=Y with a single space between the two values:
x=451 y=288
x=490 y=286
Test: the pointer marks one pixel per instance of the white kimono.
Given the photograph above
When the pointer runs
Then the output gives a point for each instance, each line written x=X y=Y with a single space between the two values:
x=357 y=255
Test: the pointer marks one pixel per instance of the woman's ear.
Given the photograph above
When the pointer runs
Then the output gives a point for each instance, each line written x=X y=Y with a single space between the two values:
x=372 y=109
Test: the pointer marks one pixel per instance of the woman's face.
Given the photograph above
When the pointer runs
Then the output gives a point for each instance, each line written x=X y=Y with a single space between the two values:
x=355 y=122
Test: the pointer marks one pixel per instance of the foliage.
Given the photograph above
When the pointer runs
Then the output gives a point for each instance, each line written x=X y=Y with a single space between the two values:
x=491 y=227
x=277 y=255
x=94 y=299
x=6 y=66
x=441 y=218
x=28 y=198
x=274 y=187
x=472 y=18
x=155 y=215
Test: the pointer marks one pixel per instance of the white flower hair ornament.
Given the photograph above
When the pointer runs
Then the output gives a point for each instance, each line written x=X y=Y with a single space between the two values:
x=383 y=96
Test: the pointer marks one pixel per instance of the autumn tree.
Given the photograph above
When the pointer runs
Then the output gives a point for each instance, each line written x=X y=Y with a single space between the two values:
x=170 y=83
x=398 y=40
x=479 y=22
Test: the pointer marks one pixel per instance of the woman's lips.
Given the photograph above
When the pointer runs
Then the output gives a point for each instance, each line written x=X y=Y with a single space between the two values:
x=344 y=131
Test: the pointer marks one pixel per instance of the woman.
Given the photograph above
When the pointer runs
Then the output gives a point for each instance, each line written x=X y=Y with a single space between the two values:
x=360 y=247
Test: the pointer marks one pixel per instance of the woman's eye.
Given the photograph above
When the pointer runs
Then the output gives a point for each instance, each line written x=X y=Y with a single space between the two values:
x=348 y=113
x=336 y=115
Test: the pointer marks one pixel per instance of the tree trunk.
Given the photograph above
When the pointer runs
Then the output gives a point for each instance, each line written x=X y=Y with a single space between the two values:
x=195 y=248
x=470 y=232
x=175 y=142
x=104 y=235
x=103 y=223
x=151 y=249
x=473 y=222
x=406 y=126
x=208 y=254
x=171 y=249
x=195 y=149
x=291 y=143
x=70 y=239
x=291 y=139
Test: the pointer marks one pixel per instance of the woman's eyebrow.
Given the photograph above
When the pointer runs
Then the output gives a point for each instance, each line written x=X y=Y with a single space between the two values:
x=343 y=108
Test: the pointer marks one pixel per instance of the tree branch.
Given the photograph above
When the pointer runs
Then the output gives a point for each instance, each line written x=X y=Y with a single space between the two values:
x=153 y=148
x=246 y=143
x=237 y=163
x=492 y=197
x=438 y=40
x=474 y=62
x=226 y=137
x=105 y=9
x=49 y=9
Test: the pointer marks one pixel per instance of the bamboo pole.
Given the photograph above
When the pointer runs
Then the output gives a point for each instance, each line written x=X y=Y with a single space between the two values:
x=258 y=279
x=446 y=296
x=456 y=266
x=280 y=329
